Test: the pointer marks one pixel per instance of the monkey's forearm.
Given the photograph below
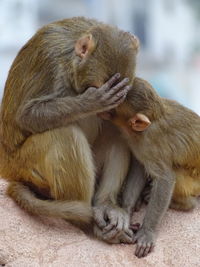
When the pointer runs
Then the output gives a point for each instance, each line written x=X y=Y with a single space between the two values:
x=135 y=183
x=112 y=222
x=39 y=115
x=114 y=173
x=160 y=198
x=48 y=112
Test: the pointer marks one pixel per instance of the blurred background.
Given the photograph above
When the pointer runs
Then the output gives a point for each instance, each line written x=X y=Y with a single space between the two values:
x=169 y=32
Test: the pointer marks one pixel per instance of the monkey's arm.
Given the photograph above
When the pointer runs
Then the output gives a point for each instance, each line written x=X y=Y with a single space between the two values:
x=50 y=111
x=136 y=180
x=158 y=204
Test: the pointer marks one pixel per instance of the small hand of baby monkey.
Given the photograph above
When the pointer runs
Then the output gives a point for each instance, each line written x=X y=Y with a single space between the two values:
x=145 y=242
x=112 y=225
x=108 y=96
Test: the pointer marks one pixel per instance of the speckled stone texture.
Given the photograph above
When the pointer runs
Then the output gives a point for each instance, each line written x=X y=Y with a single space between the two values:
x=29 y=241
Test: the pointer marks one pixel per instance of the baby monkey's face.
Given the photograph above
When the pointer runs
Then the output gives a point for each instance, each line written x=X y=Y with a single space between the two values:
x=127 y=119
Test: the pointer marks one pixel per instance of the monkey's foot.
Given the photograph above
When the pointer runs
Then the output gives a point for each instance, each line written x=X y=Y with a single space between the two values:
x=184 y=204
x=112 y=224
x=120 y=237
x=145 y=242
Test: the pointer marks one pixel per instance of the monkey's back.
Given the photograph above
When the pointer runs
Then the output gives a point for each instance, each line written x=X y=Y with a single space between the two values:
x=38 y=62
x=183 y=132
x=54 y=40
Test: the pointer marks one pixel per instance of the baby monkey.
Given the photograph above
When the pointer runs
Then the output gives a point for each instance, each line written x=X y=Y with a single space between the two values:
x=164 y=138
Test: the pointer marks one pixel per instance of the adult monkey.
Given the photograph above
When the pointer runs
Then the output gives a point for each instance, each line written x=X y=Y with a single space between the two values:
x=49 y=122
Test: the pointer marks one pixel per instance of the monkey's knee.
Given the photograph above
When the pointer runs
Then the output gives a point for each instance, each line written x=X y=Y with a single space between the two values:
x=61 y=159
x=183 y=203
x=69 y=165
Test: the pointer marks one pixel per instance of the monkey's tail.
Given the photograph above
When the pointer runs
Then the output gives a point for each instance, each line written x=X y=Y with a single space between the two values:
x=76 y=212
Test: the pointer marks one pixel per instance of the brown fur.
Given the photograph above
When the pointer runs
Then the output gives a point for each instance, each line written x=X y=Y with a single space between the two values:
x=48 y=118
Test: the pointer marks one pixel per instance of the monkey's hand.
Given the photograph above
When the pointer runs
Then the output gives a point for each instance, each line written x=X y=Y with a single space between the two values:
x=145 y=240
x=107 y=97
x=112 y=224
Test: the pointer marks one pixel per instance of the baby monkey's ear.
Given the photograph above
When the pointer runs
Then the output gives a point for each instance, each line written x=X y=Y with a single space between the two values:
x=139 y=122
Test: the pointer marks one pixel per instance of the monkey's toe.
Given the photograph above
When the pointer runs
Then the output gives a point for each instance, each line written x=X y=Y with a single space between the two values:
x=143 y=249
x=145 y=242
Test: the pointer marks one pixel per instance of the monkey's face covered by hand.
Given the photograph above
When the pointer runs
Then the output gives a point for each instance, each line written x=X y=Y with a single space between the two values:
x=102 y=53
x=126 y=119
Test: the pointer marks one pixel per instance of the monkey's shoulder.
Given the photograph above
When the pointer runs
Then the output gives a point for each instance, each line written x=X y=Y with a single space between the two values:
x=176 y=112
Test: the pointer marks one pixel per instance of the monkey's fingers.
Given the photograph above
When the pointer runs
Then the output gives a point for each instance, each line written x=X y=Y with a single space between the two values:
x=142 y=249
x=119 y=87
x=120 y=94
x=125 y=238
x=110 y=234
x=120 y=231
x=117 y=100
x=126 y=227
x=113 y=222
x=99 y=219
x=148 y=250
x=110 y=82
x=116 y=236
x=129 y=233
x=115 y=225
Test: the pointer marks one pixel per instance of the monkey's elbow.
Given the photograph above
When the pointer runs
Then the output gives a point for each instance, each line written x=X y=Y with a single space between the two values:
x=25 y=122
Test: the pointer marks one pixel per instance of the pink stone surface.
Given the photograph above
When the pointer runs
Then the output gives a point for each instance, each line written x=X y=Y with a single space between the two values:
x=30 y=241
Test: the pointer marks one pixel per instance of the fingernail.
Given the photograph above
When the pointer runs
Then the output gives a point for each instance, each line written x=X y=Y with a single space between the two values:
x=117 y=75
x=127 y=79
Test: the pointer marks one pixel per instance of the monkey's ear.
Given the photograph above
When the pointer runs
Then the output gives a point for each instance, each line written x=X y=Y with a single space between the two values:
x=139 y=122
x=136 y=42
x=84 y=46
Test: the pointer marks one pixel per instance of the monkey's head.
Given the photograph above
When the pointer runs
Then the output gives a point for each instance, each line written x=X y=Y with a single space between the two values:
x=102 y=52
x=131 y=122
x=141 y=107
x=128 y=116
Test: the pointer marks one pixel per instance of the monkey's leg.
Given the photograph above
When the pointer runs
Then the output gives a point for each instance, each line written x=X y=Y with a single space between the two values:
x=112 y=222
x=158 y=204
x=136 y=181
x=186 y=188
x=62 y=159
x=183 y=203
